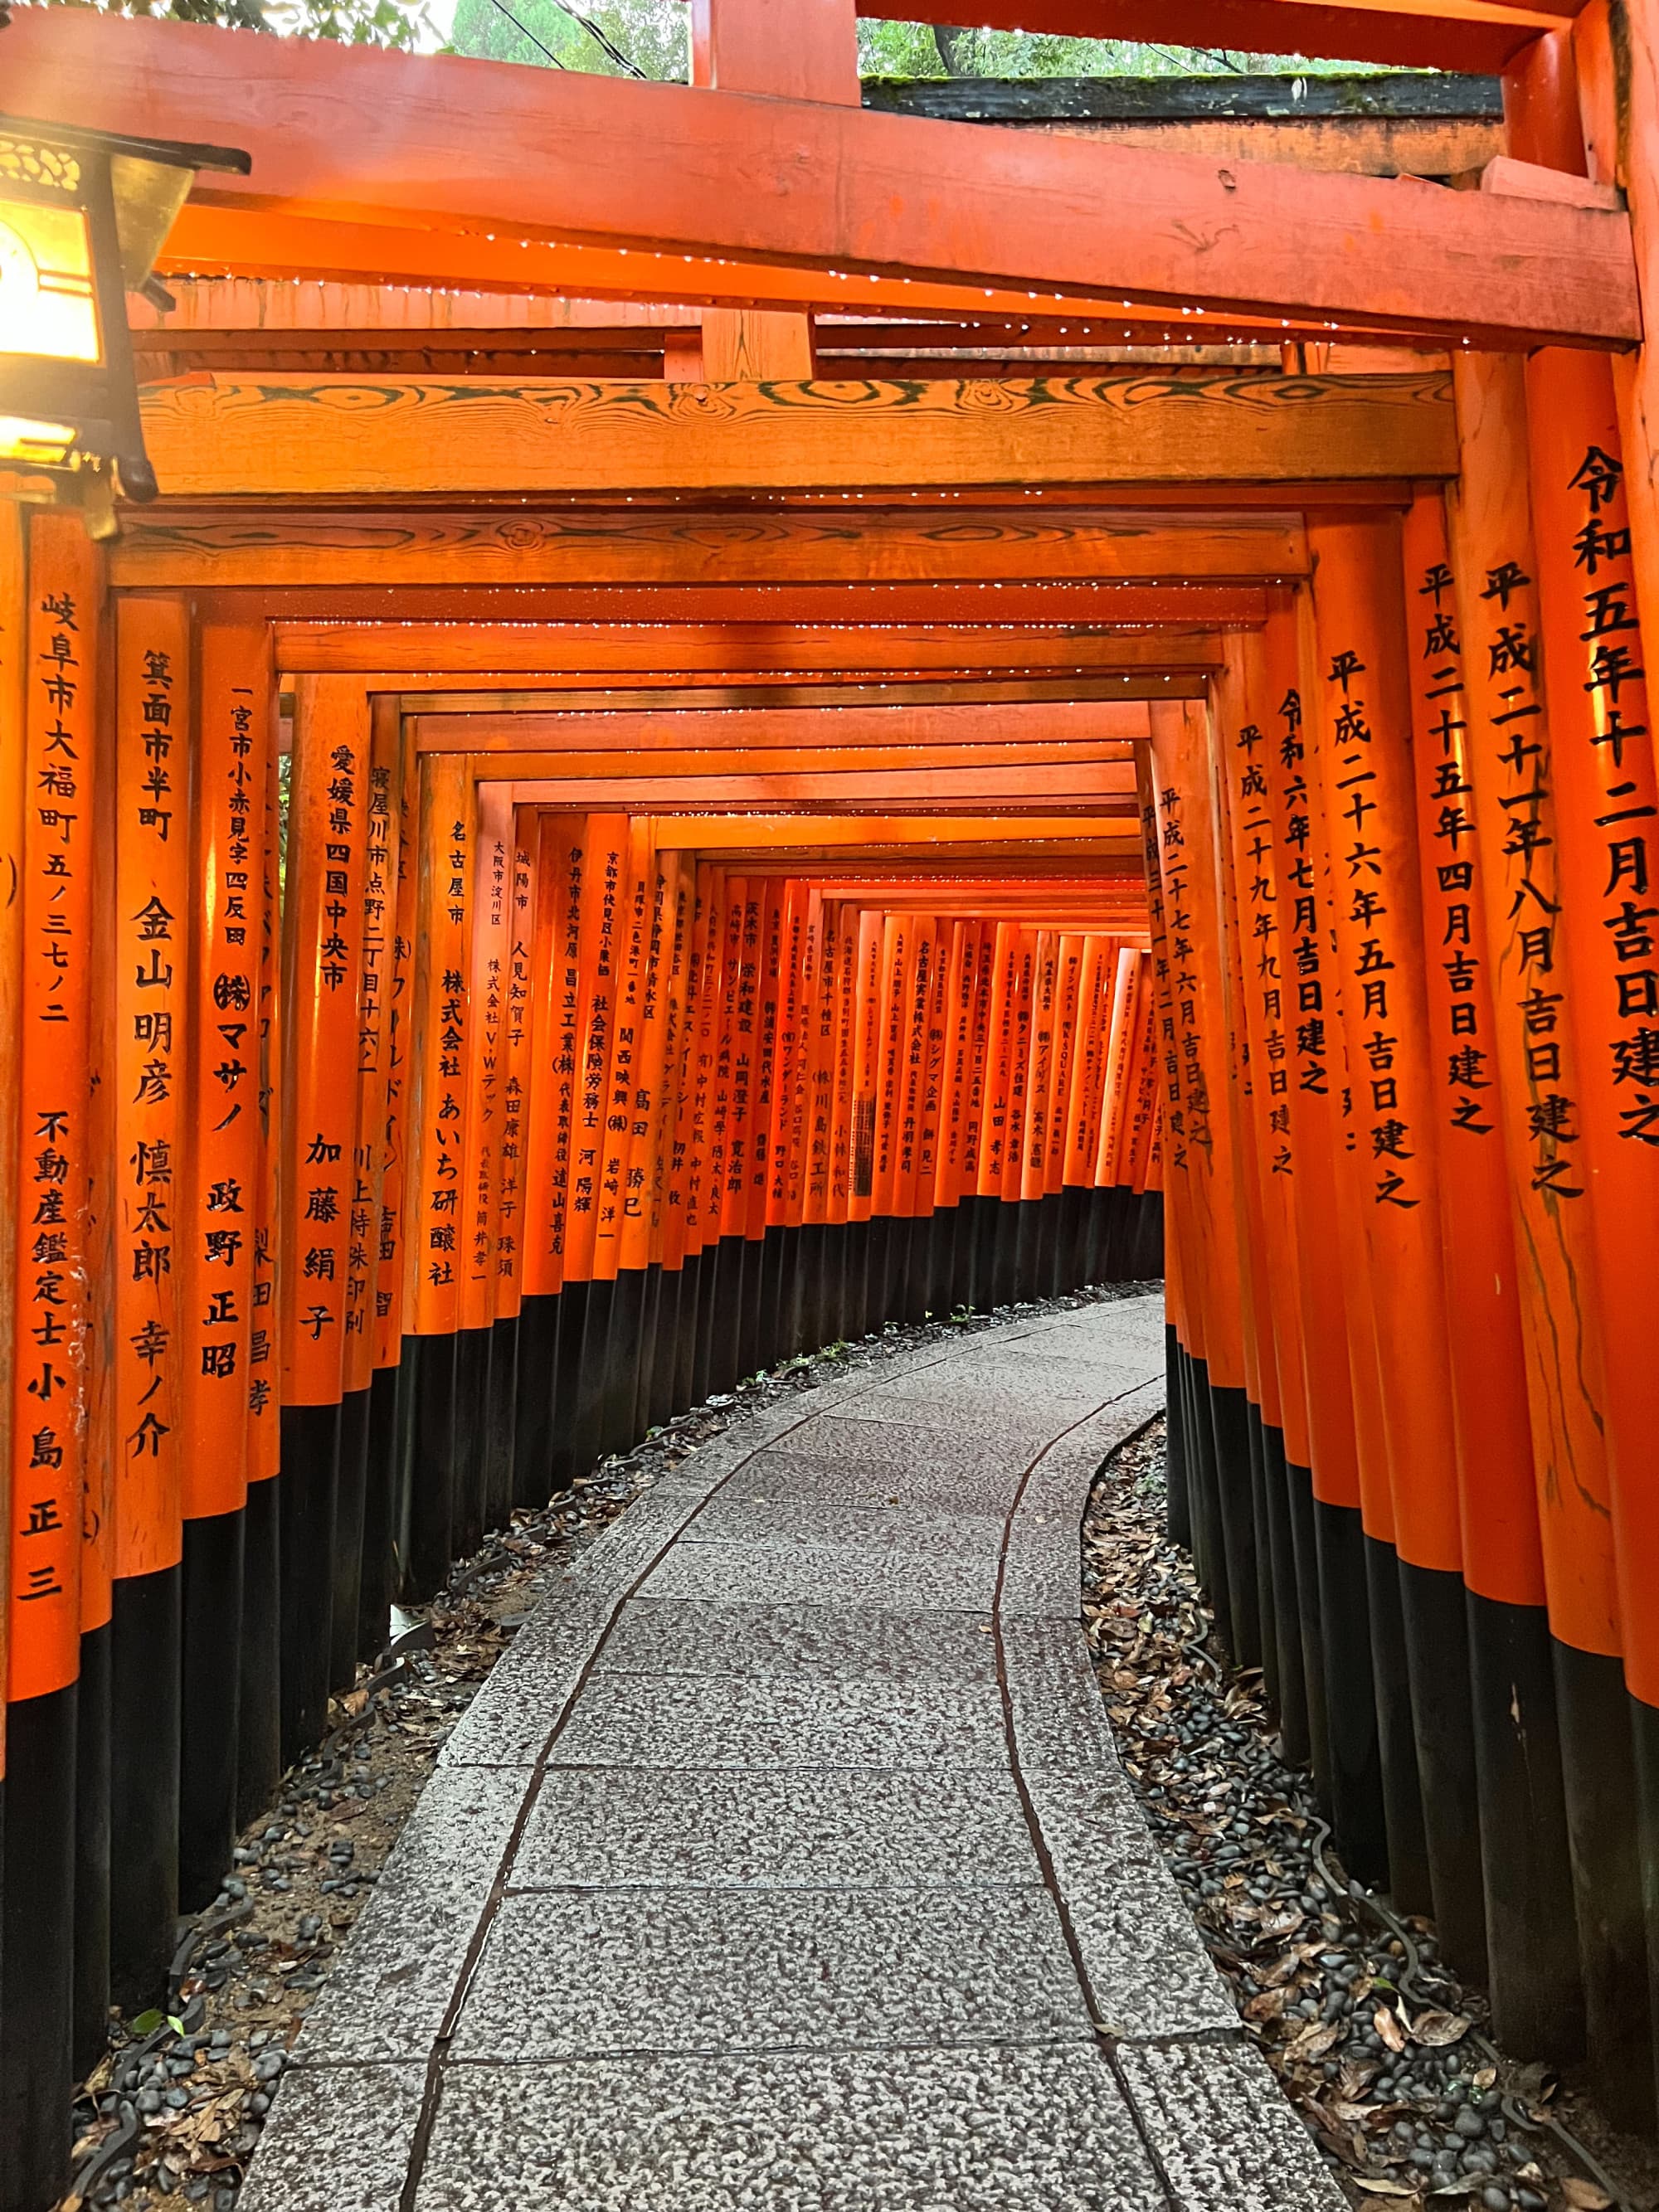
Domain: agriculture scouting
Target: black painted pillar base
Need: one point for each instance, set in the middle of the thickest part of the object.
(692, 1278)
(1266, 1606)
(1396, 1733)
(1598, 1767)
(1231, 1420)
(92, 1852)
(258, 1707)
(1292, 1696)
(350, 1492)
(1437, 1642)
(590, 1379)
(534, 1389)
(619, 1383)
(1534, 1984)
(209, 1725)
(1178, 1507)
(36, 1951)
(428, 1366)
(566, 1383)
(1356, 1764)
(374, 1583)
(1304, 1545)
(471, 1384)
(500, 1417)
(310, 1454)
(145, 1679)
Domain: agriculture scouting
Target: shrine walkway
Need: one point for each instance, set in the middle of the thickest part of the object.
(785, 1861)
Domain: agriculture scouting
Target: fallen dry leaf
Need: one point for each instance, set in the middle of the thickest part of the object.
(1438, 2029)
(1586, 2196)
(1386, 2188)
(1389, 2028)
(1313, 2042)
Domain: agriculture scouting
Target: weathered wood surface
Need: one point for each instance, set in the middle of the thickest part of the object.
(1092, 722)
(475, 653)
(1279, 99)
(1094, 790)
(755, 607)
(867, 545)
(1057, 837)
(1453, 34)
(460, 145)
(278, 436)
(657, 758)
(578, 695)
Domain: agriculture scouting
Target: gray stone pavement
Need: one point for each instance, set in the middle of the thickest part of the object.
(786, 1862)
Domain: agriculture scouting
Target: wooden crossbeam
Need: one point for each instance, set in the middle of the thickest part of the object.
(282, 436)
(677, 704)
(849, 544)
(1057, 836)
(759, 607)
(482, 655)
(1108, 790)
(846, 765)
(1091, 722)
(439, 143)
(1479, 36)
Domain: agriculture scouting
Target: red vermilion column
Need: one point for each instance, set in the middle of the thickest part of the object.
(1325, 1493)
(1370, 817)
(52, 1228)
(217, 1190)
(1533, 1966)
(1516, 845)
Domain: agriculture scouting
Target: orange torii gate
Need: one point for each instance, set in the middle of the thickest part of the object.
(614, 882)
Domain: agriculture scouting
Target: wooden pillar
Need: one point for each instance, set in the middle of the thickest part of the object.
(791, 50)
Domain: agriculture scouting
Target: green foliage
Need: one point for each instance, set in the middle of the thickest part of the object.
(655, 35)
(355, 22)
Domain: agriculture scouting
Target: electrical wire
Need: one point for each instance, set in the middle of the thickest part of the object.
(524, 32)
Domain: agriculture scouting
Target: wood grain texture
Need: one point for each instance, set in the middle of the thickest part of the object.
(1089, 722)
(756, 653)
(677, 704)
(597, 546)
(462, 144)
(277, 436)
(755, 608)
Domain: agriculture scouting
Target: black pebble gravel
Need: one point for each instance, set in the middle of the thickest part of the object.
(1392, 2084)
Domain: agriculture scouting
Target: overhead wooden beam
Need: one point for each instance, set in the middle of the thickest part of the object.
(578, 695)
(841, 769)
(1452, 34)
(1090, 721)
(755, 607)
(441, 142)
(282, 436)
(572, 653)
(1107, 790)
(1058, 836)
(855, 543)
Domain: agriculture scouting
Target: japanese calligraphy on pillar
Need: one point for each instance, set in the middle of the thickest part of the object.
(154, 893)
(227, 1340)
(49, 1414)
(324, 918)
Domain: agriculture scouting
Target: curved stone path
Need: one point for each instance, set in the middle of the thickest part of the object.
(785, 1861)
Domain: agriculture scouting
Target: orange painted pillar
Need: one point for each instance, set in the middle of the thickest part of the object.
(434, 1215)
(388, 983)
(220, 1142)
(1540, 1050)
(1533, 1966)
(53, 1229)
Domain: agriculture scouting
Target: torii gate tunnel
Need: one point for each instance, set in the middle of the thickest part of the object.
(742, 717)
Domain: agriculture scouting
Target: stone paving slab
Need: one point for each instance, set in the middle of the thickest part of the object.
(860, 1828)
(391, 1984)
(740, 1721)
(785, 1861)
(992, 2130)
(598, 1972)
(1223, 2131)
(811, 1643)
(827, 1573)
(902, 1481)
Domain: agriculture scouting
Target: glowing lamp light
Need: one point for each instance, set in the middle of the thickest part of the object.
(82, 216)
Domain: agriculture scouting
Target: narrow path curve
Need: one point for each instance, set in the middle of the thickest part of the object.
(786, 1860)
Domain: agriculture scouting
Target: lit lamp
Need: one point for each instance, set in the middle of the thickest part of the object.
(82, 217)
